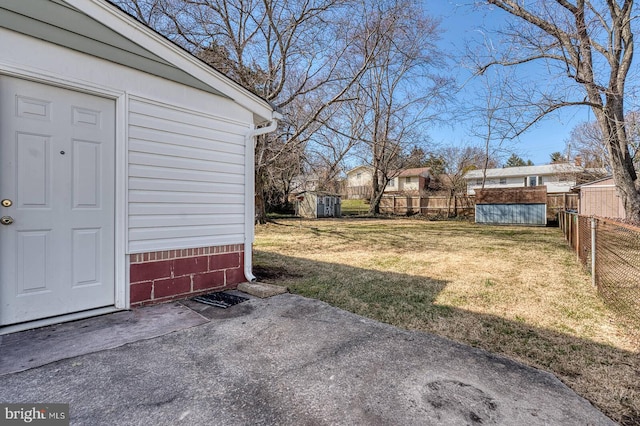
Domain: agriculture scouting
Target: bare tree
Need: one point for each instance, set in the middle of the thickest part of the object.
(289, 52)
(458, 160)
(326, 156)
(330, 146)
(493, 121)
(591, 44)
(279, 176)
(396, 95)
(587, 143)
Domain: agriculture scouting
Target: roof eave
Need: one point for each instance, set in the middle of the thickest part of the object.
(127, 26)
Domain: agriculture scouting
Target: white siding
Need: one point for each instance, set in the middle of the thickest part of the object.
(511, 182)
(550, 181)
(412, 185)
(360, 176)
(186, 178)
(184, 146)
(393, 184)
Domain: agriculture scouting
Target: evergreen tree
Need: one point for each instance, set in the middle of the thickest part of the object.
(516, 161)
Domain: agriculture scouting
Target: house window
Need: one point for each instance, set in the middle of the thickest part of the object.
(478, 181)
(533, 181)
(408, 180)
(392, 182)
(503, 181)
(358, 175)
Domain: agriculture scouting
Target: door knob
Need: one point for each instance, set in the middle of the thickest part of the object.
(6, 220)
(6, 203)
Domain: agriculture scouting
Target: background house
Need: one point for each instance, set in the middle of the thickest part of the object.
(126, 165)
(557, 178)
(358, 184)
(304, 182)
(409, 181)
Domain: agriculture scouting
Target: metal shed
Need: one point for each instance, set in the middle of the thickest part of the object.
(312, 204)
(512, 206)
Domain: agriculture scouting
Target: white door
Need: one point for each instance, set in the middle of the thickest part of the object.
(327, 207)
(57, 165)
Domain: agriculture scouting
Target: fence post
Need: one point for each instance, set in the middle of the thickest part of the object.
(578, 237)
(593, 250)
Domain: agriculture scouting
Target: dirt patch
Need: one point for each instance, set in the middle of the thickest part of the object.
(271, 274)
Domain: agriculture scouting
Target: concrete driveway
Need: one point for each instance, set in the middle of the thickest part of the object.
(288, 360)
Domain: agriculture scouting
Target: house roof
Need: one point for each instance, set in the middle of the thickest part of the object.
(101, 29)
(596, 182)
(418, 171)
(319, 193)
(368, 168)
(547, 169)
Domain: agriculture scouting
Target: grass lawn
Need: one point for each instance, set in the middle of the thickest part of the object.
(514, 291)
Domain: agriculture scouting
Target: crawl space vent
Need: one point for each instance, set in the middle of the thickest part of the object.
(220, 299)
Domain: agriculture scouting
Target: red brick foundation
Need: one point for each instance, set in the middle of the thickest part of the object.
(165, 275)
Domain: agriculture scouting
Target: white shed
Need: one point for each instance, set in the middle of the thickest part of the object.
(313, 204)
(126, 165)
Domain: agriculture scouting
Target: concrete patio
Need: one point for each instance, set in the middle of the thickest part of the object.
(287, 360)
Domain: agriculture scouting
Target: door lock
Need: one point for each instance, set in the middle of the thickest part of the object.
(6, 220)
(6, 203)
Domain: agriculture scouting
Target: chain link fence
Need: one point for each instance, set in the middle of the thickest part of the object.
(611, 252)
(584, 240)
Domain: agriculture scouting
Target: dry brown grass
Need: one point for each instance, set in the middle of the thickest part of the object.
(515, 291)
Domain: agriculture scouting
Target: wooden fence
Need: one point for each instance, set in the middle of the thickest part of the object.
(557, 203)
(461, 205)
(444, 206)
(358, 192)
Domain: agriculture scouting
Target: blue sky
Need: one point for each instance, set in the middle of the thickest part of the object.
(460, 21)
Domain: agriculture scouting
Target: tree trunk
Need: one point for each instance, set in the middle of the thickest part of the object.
(376, 194)
(374, 207)
(611, 120)
(626, 186)
(580, 43)
(260, 198)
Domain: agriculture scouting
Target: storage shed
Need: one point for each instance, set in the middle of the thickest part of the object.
(512, 206)
(600, 198)
(126, 165)
(312, 204)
